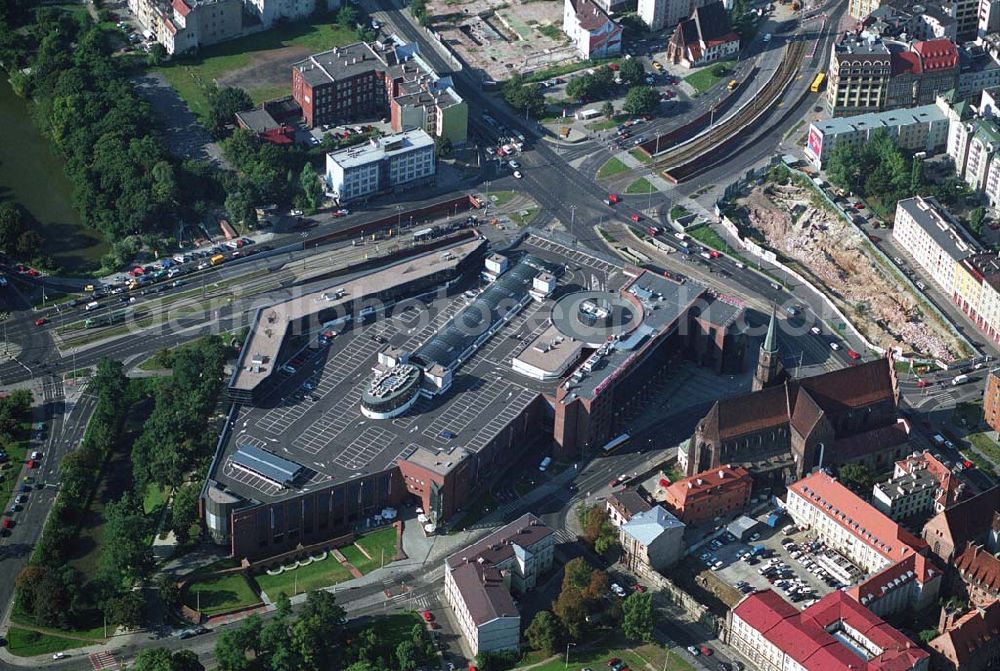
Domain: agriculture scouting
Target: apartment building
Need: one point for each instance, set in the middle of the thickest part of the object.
(652, 539)
(834, 634)
(923, 128)
(929, 234)
(591, 29)
(185, 25)
(479, 582)
(709, 495)
(624, 505)
(848, 524)
(909, 585)
(389, 163)
(388, 78)
(906, 495)
(973, 146)
(977, 293)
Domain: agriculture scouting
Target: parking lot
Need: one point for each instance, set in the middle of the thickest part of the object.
(785, 563)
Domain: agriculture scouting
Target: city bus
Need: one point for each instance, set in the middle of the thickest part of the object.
(817, 84)
(615, 443)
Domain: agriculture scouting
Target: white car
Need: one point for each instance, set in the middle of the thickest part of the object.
(814, 330)
(514, 164)
(834, 346)
(58, 655)
(296, 213)
(693, 650)
(35, 456)
(287, 368)
(517, 174)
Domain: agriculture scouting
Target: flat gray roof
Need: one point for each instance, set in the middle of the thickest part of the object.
(942, 228)
(889, 118)
(339, 63)
(383, 147)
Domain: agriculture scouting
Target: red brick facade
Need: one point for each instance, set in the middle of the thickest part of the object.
(710, 494)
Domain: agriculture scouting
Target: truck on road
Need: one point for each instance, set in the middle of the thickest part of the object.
(959, 379)
(217, 259)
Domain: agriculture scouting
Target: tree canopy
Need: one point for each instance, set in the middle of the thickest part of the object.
(641, 100)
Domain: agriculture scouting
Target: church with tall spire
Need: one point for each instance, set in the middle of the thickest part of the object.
(770, 370)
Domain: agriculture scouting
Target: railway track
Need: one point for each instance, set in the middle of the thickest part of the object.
(732, 125)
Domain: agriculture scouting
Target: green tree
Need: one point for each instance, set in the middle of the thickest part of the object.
(157, 55)
(29, 244)
(916, 176)
(524, 98)
(311, 185)
(577, 573)
(154, 659)
(976, 219)
(407, 655)
(127, 609)
(231, 651)
(597, 588)
(127, 555)
(184, 511)
(641, 100)
(857, 476)
(637, 623)
(443, 146)
(605, 543)
(608, 109)
(347, 16)
(418, 9)
(12, 225)
(571, 610)
(631, 72)
(168, 591)
(223, 104)
(544, 633)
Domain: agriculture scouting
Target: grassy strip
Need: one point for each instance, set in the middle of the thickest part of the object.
(640, 155)
(640, 186)
(192, 77)
(501, 198)
(602, 125)
(303, 579)
(705, 78)
(612, 167)
(706, 235)
(221, 594)
(28, 642)
(676, 212)
(525, 217)
(564, 69)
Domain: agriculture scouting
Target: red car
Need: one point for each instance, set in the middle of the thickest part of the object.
(635, 218)
(9, 523)
(705, 650)
(32, 463)
(640, 588)
(613, 661)
(33, 273)
(854, 355)
(714, 254)
(923, 383)
(614, 198)
(427, 615)
(41, 321)
(968, 464)
(858, 205)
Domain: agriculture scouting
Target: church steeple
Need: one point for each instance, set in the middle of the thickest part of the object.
(769, 366)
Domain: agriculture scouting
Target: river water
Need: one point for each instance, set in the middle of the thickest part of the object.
(31, 174)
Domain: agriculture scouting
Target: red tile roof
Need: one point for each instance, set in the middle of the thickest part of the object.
(862, 520)
(589, 15)
(808, 637)
(733, 417)
(916, 568)
(698, 485)
(905, 62)
(181, 8)
(852, 387)
(964, 521)
(865, 443)
(969, 634)
(939, 54)
(979, 568)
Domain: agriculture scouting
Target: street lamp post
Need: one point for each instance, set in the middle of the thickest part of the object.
(572, 216)
(568, 645)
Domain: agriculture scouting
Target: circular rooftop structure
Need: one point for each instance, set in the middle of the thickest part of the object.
(391, 392)
(591, 317)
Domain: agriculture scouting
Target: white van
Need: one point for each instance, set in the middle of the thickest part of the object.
(93, 305)
(545, 464)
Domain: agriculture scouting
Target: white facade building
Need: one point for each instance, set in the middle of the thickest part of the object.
(928, 233)
(388, 163)
(478, 582)
(592, 30)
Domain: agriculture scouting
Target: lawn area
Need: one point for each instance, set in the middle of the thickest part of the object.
(597, 657)
(525, 217)
(27, 642)
(154, 499)
(641, 185)
(17, 453)
(705, 234)
(390, 627)
(303, 579)
(501, 198)
(986, 446)
(676, 212)
(377, 542)
(221, 594)
(604, 124)
(611, 168)
(640, 155)
(191, 75)
(969, 415)
(706, 77)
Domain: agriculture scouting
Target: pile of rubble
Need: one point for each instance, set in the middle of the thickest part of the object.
(836, 258)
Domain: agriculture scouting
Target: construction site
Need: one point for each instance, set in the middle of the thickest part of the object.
(827, 250)
(499, 38)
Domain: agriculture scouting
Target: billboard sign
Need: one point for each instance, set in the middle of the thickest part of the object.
(815, 142)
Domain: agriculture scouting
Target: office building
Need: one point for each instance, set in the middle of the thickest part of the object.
(390, 79)
(926, 231)
(910, 585)
(389, 163)
(479, 582)
(923, 128)
(848, 524)
(991, 399)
